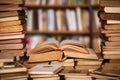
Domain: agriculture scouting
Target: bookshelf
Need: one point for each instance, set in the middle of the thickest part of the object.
(84, 10)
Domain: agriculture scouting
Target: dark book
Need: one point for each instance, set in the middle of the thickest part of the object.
(109, 16)
(112, 3)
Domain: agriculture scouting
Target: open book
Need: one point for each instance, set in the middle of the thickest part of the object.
(70, 48)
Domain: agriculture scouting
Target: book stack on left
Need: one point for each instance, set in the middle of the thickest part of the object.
(12, 27)
(12, 39)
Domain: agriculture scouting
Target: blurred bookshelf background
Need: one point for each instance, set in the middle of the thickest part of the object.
(63, 19)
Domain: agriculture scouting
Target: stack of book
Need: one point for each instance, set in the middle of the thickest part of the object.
(45, 71)
(10, 69)
(12, 27)
(69, 53)
(110, 19)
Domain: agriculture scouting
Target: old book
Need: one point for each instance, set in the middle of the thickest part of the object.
(112, 9)
(111, 56)
(12, 46)
(11, 13)
(46, 56)
(76, 54)
(113, 34)
(13, 18)
(87, 67)
(47, 78)
(7, 36)
(111, 52)
(109, 16)
(111, 43)
(43, 76)
(78, 78)
(113, 22)
(6, 58)
(111, 3)
(11, 2)
(110, 31)
(46, 69)
(55, 45)
(74, 72)
(18, 68)
(88, 62)
(11, 41)
(12, 23)
(114, 61)
(10, 7)
(16, 28)
(112, 68)
(112, 27)
(114, 38)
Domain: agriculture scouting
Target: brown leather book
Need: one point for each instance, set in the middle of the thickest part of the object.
(12, 23)
(109, 16)
(11, 1)
(11, 13)
(10, 7)
(8, 29)
(112, 3)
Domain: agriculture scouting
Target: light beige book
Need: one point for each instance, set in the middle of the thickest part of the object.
(113, 68)
(6, 58)
(12, 23)
(55, 45)
(112, 34)
(114, 38)
(112, 43)
(16, 28)
(109, 27)
(111, 52)
(110, 31)
(113, 22)
(50, 78)
(12, 46)
(76, 54)
(45, 69)
(11, 41)
(43, 76)
(11, 2)
(78, 78)
(20, 68)
(111, 56)
(87, 67)
(46, 56)
(13, 18)
(88, 62)
(112, 9)
(7, 36)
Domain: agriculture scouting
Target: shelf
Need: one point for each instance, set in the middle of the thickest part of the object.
(58, 32)
(61, 6)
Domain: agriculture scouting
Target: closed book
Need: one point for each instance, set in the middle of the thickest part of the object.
(12, 23)
(9, 29)
(111, 3)
(10, 7)
(11, 13)
(11, 2)
(112, 9)
(109, 16)
(45, 69)
(112, 27)
(6, 58)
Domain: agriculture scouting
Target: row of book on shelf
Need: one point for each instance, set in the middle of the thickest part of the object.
(59, 2)
(60, 20)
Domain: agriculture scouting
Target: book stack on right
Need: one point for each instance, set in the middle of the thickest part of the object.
(110, 21)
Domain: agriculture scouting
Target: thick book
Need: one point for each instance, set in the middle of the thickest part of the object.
(45, 69)
(11, 41)
(112, 27)
(112, 9)
(13, 18)
(71, 48)
(6, 58)
(109, 16)
(8, 29)
(11, 13)
(8, 36)
(11, 7)
(11, 2)
(12, 23)
(111, 3)
(12, 46)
